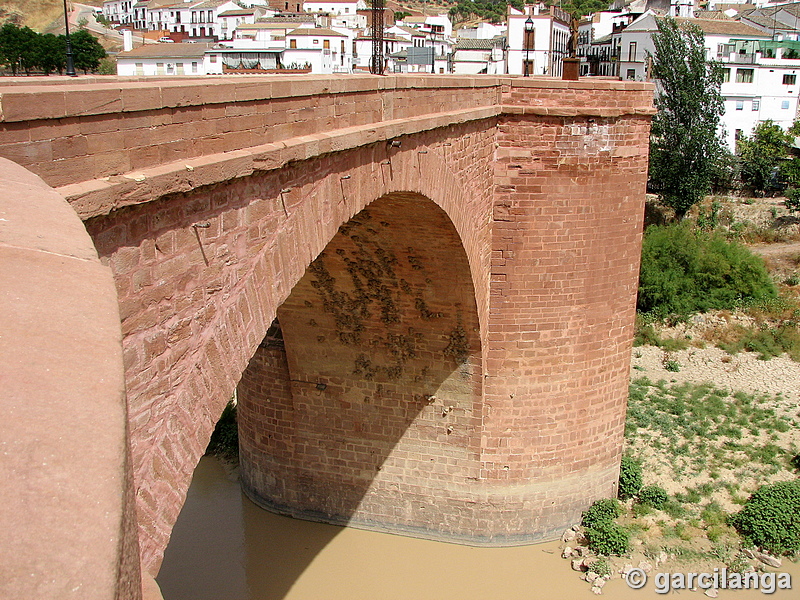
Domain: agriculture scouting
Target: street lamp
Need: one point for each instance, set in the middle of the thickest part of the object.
(528, 30)
(70, 65)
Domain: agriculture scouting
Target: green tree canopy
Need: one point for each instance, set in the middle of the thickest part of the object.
(22, 49)
(87, 51)
(761, 154)
(685, 144)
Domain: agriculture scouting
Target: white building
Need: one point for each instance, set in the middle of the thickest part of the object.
(477, 56)
(324, 50)
(759, 82)
(335, 7)
(392, 45)
(231, 19)
(169, 60)
(542, 49)
(596, 42)
(119, 11)
(482, 31)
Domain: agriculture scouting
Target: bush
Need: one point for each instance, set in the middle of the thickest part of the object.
(770, 518)
(685, 271)
(630, 478)
(602, 567)
(653, 495)
(608, 538)
(224, 441)
(602, 511)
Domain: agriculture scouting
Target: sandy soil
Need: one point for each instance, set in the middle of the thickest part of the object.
(743, 371)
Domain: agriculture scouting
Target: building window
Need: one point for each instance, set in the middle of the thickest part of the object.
(784, 105)
(744, 75)
(740, 105)
(315, 42)
(527, 67)
(213, 58)
(631, 74)
(292, 43)
(632, 52)
(326, 44)
(140, 68)
(756, 103)
(529, 39)
(789, 79)
(726, 75)
(210, 16)
(194, 67)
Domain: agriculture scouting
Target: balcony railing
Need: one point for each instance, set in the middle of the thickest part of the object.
(736, 58)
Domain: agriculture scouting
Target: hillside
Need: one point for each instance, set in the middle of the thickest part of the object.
(36, 14)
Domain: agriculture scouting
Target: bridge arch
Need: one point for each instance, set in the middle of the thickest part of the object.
(231, 254)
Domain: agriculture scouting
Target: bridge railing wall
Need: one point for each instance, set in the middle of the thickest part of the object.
(78, 132)
(68, 516)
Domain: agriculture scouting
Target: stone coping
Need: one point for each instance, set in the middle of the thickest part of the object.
(102, 196)
(25, 100)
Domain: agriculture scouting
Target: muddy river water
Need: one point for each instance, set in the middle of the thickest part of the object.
(224, 547)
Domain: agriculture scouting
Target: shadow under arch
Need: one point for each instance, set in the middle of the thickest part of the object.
(362, 406)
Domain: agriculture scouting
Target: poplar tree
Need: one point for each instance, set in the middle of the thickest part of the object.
(685, 142)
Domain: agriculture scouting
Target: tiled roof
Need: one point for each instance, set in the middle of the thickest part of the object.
(470, 44)
(720, 27)
(167, 51)
(319, 32)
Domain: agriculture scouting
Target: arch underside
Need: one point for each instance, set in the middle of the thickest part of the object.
(363, 404)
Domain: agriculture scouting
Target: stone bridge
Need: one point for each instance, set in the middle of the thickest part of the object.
(423, 287)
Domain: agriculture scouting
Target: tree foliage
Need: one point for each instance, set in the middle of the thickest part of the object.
(685, 271)
(24, 50)
(493, 10)
(87, 51)
(761, 155)
(685, 144)
(790, 171)
(580, 8)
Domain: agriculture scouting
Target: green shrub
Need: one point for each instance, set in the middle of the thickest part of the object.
(770, 518)
(685, 271)
(224, 441)
(602, 567)
(602, 511)
(630, 478)
(653, 495)
(607, 538)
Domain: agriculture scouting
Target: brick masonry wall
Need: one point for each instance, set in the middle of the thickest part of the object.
(546, 200)
(379, 385)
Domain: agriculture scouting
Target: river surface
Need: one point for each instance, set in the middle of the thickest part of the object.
(224, 547)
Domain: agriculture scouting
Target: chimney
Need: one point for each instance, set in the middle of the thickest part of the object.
(127, 40)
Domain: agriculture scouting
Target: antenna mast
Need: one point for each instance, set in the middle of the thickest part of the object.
(376, 67)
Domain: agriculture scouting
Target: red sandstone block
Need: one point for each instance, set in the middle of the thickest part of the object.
(100, 100)
(30, 105)
(28, 153)
(69, 147)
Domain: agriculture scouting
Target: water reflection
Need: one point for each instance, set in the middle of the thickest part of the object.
(224, 547)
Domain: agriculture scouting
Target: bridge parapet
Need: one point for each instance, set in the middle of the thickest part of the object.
(107, 145)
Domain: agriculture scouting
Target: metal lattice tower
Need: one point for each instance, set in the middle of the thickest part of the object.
(376, 66)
